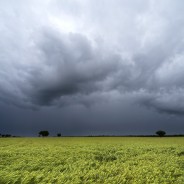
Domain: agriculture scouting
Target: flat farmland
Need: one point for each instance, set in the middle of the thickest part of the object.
(85, 160)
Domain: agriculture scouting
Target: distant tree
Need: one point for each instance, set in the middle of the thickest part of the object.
(160, 133)
(44, 133)
(59, 134)
(5, 135)
(8, 135)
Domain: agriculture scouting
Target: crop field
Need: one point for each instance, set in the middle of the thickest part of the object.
(103, 160)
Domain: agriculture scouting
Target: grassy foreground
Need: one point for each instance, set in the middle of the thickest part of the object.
(92, 160)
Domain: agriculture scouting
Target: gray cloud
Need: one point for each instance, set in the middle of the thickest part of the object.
(58, 54)
(71, 66)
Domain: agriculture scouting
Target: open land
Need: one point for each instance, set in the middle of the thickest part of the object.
(78, 160)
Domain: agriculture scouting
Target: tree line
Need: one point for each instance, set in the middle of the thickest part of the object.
(45, 133)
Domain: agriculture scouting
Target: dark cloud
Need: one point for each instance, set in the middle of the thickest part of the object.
(87, 54)
(71, 66)
(169, 102)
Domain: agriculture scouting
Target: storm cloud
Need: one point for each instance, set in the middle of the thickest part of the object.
(58, 54)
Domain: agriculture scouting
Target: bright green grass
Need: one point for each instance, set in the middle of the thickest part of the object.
(92, 160)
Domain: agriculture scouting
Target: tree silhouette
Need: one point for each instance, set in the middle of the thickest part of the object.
(44, 133)
(160, 133)
(59, 134)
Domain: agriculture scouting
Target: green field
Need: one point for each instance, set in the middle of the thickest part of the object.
(108, 160)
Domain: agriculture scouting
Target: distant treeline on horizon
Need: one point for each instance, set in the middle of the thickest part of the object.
(171, 135)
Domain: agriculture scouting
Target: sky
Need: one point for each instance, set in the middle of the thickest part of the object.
(91, 67)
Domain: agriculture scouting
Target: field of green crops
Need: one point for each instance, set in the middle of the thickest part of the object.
(92, 160)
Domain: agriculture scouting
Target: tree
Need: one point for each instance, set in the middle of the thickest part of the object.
(59, 134)
(160, 133)
(44, 133)
(5, 135)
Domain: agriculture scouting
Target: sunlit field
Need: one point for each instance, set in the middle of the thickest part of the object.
(85, 160)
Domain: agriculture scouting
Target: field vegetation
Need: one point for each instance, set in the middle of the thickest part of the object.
(104, 160)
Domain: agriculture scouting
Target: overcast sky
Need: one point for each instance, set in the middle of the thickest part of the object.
(88, 67)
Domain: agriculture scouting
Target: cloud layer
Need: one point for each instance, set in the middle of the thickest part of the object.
(57, 53)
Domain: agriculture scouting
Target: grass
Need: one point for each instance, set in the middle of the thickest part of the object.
(92, 160)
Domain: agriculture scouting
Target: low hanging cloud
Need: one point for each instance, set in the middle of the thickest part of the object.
(54, 53)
